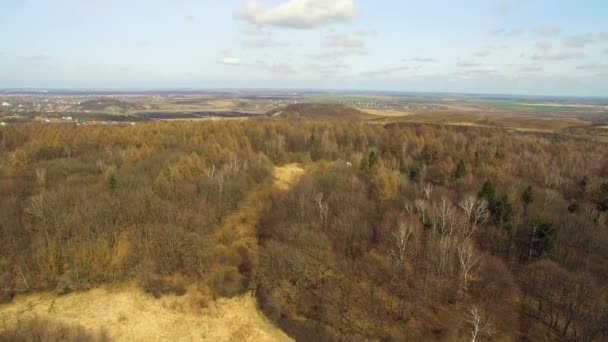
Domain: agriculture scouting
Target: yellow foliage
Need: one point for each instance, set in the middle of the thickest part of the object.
(121, 251)
(386, 183)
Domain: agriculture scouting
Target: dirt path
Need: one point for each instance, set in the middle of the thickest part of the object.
(127, 314)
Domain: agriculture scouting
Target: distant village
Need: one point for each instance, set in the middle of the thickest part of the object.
(43, 109)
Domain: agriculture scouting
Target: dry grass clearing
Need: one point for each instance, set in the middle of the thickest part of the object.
(379, 112)
(287, 175)
(127, 314)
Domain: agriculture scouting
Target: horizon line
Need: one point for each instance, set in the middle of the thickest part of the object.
(109, 90)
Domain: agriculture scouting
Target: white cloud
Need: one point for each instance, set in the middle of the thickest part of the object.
(259, 39)
(530, 68)
(543, 46)
(579, 41)
(593, 66)
(343, 41)
(497, 47)
(274, 68)
(340, 45)
(465, 63)
(298, 14)
(507, 33)
(558, 56)
(387, 71)
(549, 31)
(504, 7)
(371, 33)
(420, 60)
(40, 58)
(258, 66)
(476, 72)
(226, 60)
(329, 69)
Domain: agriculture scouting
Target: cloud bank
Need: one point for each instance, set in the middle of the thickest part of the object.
(297, 14)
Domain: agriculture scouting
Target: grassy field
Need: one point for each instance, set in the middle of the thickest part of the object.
(515, 105)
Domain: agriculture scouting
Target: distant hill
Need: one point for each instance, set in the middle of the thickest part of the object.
(111, 106)
(319, 111)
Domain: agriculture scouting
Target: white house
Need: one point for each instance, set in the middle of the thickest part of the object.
(5, 104)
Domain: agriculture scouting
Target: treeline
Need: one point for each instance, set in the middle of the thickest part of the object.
(87, 206)
(342, 260)
(399, 232)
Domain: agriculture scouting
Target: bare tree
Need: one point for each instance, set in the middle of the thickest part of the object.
(480, 325)
(468, 205)
(323, 207)
(220, 187)
(427, 189)
(233, 166)
(400, 236)
(422, 209)
(476, 213)
(68, 151)
(101, 165)
(469, 263)
(446, 226)
(41, 177)
(481, 212)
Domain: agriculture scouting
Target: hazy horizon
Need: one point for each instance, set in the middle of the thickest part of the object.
(516, 47)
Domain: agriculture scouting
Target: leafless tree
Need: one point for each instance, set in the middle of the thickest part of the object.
(36, 206)
(476, 213)
(422, 209)
(68, 151)
(427, 189)
(480, 325)
(233, 166)
(393, 164)
(476, 210)
(469, 263)
(210, 171)
(400, 237)
(446, 226)
(41, 177)
(101, 165)
(323, 207)
(408, 208)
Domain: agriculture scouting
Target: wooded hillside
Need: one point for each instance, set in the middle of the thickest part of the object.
(398, 232)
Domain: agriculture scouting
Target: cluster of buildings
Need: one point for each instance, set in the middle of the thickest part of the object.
(28, 104)
(387, 104)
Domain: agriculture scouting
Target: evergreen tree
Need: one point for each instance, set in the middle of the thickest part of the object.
(372, 159)
(527, 197)
(461, 170)
(488, 191)
(602, 203)
(502, 211)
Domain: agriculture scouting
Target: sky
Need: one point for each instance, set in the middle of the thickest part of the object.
(534, 47)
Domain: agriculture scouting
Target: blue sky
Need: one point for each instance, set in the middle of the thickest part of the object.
(548, 47)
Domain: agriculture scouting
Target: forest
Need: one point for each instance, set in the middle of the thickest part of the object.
(397, 232)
